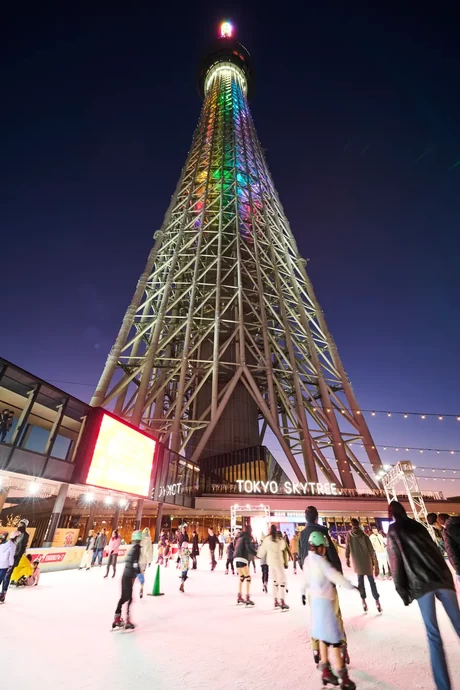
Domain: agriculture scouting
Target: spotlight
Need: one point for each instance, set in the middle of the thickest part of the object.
(123, 503)
(108, 500)
(33, 488)
(89, 497)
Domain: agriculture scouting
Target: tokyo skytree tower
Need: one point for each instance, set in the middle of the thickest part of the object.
(224, 338)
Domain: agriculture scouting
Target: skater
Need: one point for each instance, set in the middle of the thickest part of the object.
(130, 573)
(113, 549)
(166, 552)
(22, 571)
(99, 547)
(311, 516)
(451, 540)
(7, 549)
(145, 559)
(365, 563)
(273, 548)
(265, 573)
(294, 546)
(195, 548)
(221, 539)
(85, 562)
(420, 573)
(230, 557)
(380, 549)
(212, 541)
(321, 579)
(160, 557)
(184, 564)
(181, 537)
(20, 538)
(34, 579)
(243, 551)
(435, 522)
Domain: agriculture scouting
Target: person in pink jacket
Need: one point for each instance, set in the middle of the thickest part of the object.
(113, 548)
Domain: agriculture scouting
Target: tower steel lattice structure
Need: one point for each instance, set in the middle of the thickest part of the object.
(224, 336)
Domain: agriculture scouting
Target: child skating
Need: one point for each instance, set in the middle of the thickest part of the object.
(320, 578)
(230, 557)
(130, 573)
(184, 564)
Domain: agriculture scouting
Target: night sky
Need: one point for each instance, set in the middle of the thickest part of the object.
(359, 113)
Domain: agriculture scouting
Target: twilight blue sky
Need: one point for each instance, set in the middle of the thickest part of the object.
(359, 113)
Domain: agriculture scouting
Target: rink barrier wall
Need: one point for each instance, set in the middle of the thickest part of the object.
(68, 558)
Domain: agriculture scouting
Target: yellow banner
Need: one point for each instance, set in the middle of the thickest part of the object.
(65, 537)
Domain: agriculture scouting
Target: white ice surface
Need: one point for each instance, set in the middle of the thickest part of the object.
(57, 635)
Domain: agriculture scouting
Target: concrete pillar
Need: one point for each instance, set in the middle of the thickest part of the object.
(3, 497)
(140, 508)
(56, 514)
(116, 519)
(90, 521)
(158, 522)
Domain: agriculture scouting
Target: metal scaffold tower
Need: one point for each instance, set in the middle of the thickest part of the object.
(224, 337)
(403, 473)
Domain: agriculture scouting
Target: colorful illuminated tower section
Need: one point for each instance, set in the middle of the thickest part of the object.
(224, 341)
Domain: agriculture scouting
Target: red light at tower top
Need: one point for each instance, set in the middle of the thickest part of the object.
(226, 30)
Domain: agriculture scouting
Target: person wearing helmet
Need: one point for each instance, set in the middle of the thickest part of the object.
(21, 539)
(320, 580)
(184, 563)
(130, 573)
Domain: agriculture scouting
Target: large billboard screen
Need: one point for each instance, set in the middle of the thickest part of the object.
(117, 456)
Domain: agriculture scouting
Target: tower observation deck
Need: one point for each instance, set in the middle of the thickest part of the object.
(224, 337)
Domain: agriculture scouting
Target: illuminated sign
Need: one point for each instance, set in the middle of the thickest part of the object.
(311, 488)
(122, 458)
(170, 489)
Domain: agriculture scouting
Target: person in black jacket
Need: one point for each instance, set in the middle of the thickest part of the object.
(311, 516)
(420, 573)
(195, 548)
(213, 542)
(451, 539)
(130, 573)
(244, 551)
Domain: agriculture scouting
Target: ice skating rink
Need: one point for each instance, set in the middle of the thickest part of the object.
(57, 635)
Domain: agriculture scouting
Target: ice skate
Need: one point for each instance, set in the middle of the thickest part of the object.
(327, 677)
(2, 597)
(345, 681)
(265, 588)
(379, 605)
(118, 622)
(240, 599)
(316, 656)
(181, 588)
(129, 625)
(276, 604)
(364, 605)
(226, 572)
(283, 605)
(248, 601)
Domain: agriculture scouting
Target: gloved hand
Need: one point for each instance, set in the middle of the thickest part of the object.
(304, 600)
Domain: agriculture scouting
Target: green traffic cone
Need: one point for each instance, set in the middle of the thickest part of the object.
(156, 585)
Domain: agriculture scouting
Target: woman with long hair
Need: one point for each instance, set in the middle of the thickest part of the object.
(272, 549)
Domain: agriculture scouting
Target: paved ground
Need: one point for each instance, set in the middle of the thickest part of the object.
(201, 639)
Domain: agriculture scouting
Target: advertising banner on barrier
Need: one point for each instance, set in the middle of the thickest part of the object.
(61, 558)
